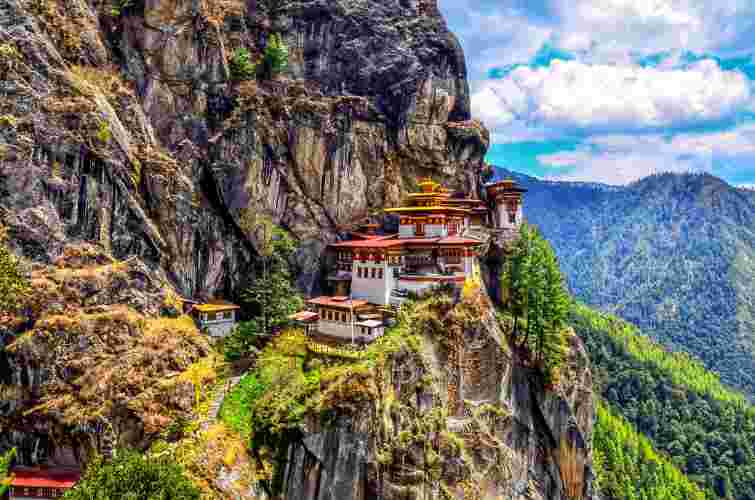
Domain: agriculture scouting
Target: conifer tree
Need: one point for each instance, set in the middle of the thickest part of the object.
(276, 55)
(535, 294)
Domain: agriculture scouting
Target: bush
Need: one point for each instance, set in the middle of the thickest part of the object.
(276, 56)
(5, 461)
(14, 287)
(241, 65)
(133, 476)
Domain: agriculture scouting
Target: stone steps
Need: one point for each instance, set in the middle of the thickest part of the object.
(212, 415)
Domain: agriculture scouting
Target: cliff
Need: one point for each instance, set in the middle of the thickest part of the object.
(441, 407)
(137, 164)
(124, 125)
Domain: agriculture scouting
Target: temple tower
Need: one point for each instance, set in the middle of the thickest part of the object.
(506, 199)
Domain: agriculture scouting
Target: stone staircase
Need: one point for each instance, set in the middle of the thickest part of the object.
(212, 414)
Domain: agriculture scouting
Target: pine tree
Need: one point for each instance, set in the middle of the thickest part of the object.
(535, 294)
(276, 56)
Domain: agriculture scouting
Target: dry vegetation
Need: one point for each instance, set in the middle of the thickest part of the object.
(108, 356)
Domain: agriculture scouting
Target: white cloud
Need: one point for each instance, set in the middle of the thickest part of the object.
(605, 28)
(571, 95)
(620, 159)
(493, 34)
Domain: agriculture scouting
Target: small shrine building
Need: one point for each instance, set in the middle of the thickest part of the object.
(39, 483)
(217, 318)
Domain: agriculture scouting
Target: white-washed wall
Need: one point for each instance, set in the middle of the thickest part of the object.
(337, 329)
(436, 231)
(374, 290)
(220, 328)
(406, 231)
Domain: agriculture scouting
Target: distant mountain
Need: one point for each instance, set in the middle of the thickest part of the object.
(672, 253)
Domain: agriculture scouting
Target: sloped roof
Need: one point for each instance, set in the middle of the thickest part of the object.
(339, 302)
(304, 316)
(215, 307)
(45, 478)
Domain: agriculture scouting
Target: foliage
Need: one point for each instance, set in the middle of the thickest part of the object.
(270, 299)
(133, 476)
(241, 65)
(672, 253)
(103, 132)
(275, 58)
(269, 404)
(9, 121)
(707, 430)
(14, 287)
(629, 467)
(5, 461)
(118, 6)
(535, 294)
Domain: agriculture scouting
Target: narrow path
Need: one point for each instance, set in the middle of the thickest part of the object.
(212, 415)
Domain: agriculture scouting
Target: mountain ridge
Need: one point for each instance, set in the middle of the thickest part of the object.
(672, 253)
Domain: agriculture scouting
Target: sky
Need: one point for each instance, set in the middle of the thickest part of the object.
(613, 90)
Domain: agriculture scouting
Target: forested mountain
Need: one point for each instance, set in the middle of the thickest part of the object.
(672, 253)
(706, 430)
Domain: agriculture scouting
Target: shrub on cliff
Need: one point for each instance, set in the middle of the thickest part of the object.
(5, 461)
(241, 65)
(276, 56)
(133, 476)
(13, 285)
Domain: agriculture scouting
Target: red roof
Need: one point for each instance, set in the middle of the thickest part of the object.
(387, 243)
(368, 236)
(372, 243)
(45, 478)
(456, 240)
(340, 302)
(304, 316)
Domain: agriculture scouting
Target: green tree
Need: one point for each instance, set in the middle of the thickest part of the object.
(241, 65)
(5, 461)
(275, 57)
(14, 287)
(133, 476)
(535, 294)
(271, 298)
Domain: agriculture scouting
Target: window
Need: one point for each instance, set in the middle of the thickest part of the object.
(512, 218)
(396, 271)
(380, 273)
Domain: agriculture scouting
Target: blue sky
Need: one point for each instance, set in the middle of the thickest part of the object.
(613, 90)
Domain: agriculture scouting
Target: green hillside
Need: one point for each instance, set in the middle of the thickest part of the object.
(627, 467)
(673, 253)
(707, 430)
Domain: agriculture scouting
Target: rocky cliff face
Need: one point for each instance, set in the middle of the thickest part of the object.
(123, 125)
(451, 412)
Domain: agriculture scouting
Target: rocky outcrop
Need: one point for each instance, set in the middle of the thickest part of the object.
(125, 124)
(92, 366)
(457, 414)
